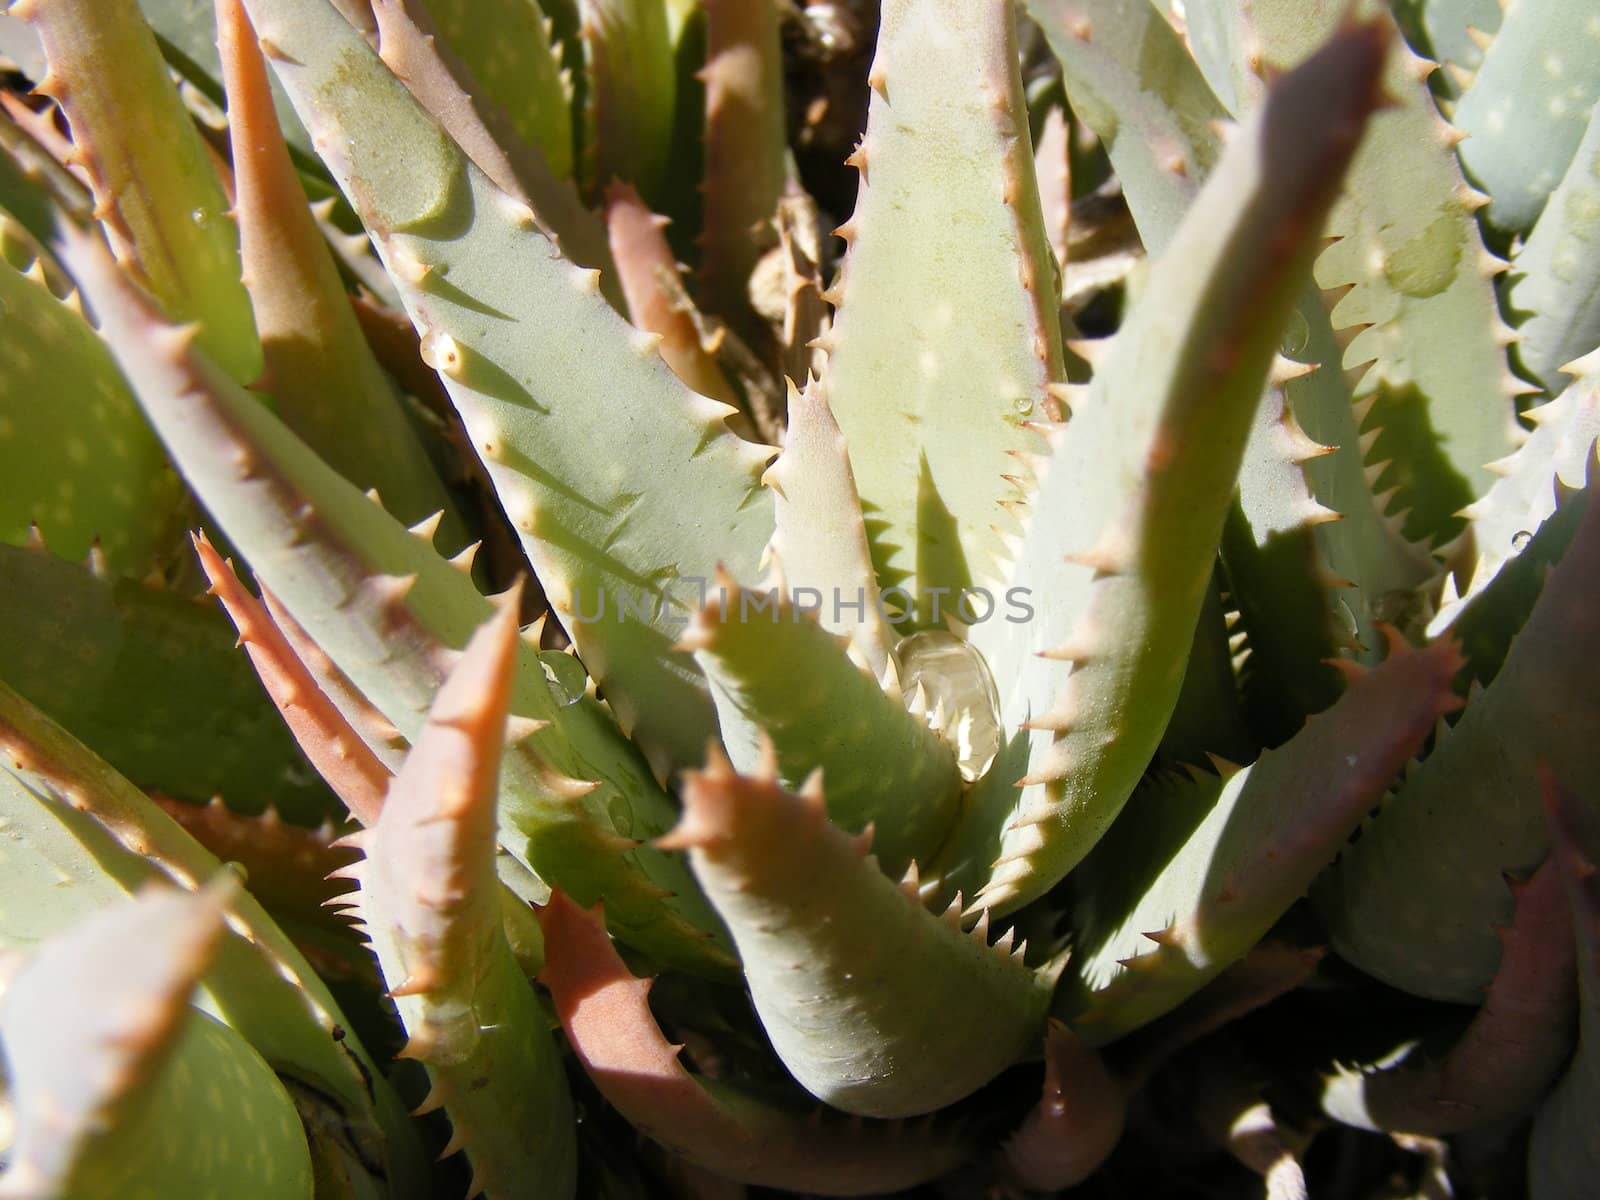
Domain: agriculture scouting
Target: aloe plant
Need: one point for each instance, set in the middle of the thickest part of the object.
(918, 800)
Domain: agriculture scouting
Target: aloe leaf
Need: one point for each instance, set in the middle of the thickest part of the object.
(545, 377)
(612, 1031)
(376, 730)
(1456, 32)
(143, 675)
(1436, 403)
(1507, 1058)
(84, 466)
(430, 901)
(1161, 129)
(121, 1088)
(649, 275)
(746, 155)
(1207, 718)
(1131, 81)
(186, 31)
(509, 48)
(820, 539)
(155, 191)
(287, 866)
(1564, 1151)
(875, 1005)
(1555, 278)
(1140, 480)
(391, 613)
(331, 745)
(36, 190)
(1270, 969)
(328, 386)
(933, 392)
(1556, 456)
(1067, 1136)
(1052, 170)
(1416, 900)
(1202, 867)
(1278, 578)
(1528, 105)
(632, 91)
(84, 839)
(448, 91)
(781, 680)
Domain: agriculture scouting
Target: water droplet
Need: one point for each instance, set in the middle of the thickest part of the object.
(1023, 405)
(200, 217)
(954, 675)
(440, 351)
(1520, 540)
(565, 676)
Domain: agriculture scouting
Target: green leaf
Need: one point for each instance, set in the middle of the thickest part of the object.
(1119, 554)
(1435, 405)
(713, 1123)
(946, 334)
(144, 676)
(82, 838)
(875, 1005)
(1555, 278)
(430, 901)
(162, 205)
(391, 613)
(1200, 867)
(80, 461)
(1416, 900)
(547, 379)
(1527, 107)
(121, 1088)
(783, 681)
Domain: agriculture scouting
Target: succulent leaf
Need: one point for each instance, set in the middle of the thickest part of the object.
(820, 540)
(84, 469)
(1119, 585)
(1077, 1121)
(141, 675)
(875, 1005)
(1507, 1058)
(933, 395)
(121, 1088)
(649, 275)
(327, 385)
(1556, 457)
(447, 89)
(631, 95)
(746, 163)
(1555, 278)
(1418, 300)
(533, 357)
(391, 613)
(608, 1021)
(430, 901)
(1222, 859)
(155, 191)
(333, 747)
(1564, 1151)
(508, 46)
(1527, 106)
(785, 685)
(83, 839)
(1433, 858)
(1123, 52)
